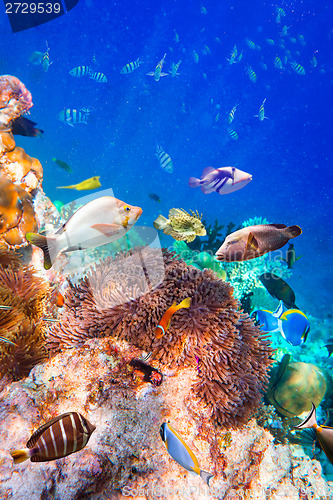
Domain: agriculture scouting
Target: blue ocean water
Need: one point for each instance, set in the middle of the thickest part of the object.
(289, 154)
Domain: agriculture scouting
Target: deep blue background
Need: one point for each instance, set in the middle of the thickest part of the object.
(289, 155)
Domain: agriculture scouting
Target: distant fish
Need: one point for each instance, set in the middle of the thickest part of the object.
(157, 74)
(164, 324)
(253, 241)
(250, 44)
(36, 57)
(154, 197)
(80, 71)
(297, 68)
(86, 185)
(270, 41)
(181, 453)
(74, 116)
(261, 114)
(150, 373)
(232, 133)
(279, 289)
(131, 66)
(324, 433)
(98, 77)
(24, 126)
(293, 324)
(223, 180)
(97, 223)
(164, 160)
(291, 256)
(174, 69)
(278, 63)
(62, 164)
(181, 225)
(234, 56)
(251, 74)
(61, 436)
(195, 56)
(231, 115)
(46, 59)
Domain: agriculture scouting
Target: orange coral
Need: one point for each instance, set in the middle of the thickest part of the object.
(17, 212)
(229, 352)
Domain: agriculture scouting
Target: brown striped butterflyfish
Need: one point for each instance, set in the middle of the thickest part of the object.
(61, 436)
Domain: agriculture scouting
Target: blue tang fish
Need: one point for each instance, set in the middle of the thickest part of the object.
(293, 324)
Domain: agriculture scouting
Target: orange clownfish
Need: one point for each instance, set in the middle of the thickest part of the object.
(165, 321)
(60, 300)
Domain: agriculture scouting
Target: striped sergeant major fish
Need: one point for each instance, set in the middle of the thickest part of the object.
(231, 115)
(233, 134)
(79, 71)
(261, 114)
(251, 74)
(131, 66)
(46, 59)
(174, 69)
(157, 74)
(181, 453)
(164, 160)
(61, 436)
(74, 116)
(278, 62)
(297, 68)
(98, 77)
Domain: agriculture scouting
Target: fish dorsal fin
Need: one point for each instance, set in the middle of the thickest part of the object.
(309, 421)
(207, 171)
(278, 226)
(36, 435)
(61, 229)
(252, 243)
(174, 212)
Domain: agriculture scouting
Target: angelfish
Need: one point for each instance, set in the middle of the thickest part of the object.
(158, 70)
(324, 433)
(97, 223)
(223, 180)
(166, 319)
(61, 436)
(181, 453)
(253, 241)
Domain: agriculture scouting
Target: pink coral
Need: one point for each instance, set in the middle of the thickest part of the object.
(15, 100)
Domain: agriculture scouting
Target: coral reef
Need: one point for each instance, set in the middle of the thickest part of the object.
(125, 456)
(116, 299)
(214, 237)
(28, 298)
(20, 174)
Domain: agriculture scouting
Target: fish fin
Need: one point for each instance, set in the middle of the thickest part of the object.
(47, 244)
(279, 310)
(66, 187)
(161, 222)
(278, 226)
(164, 74)
(252, 243)
(206, 476)
(293, 231)
(184, 303)
(151, 73)
(175, 212)
(194, 182)
(106, 229)
(206, 190)
(207, 171)
(20, 456)
(309, 421)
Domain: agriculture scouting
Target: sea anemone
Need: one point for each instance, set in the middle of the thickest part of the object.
(27, 298)
(125, 297)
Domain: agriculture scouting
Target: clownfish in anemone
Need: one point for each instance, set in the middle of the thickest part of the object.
(166, 318)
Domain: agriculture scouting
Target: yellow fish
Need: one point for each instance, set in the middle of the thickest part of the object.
(88, 184)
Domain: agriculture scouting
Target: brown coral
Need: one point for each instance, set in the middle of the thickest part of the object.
(28, 297)
(120, 298)
(20, 174)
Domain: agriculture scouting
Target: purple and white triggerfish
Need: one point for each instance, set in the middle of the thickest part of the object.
(61, 436)
(223, 180)
(97, 223)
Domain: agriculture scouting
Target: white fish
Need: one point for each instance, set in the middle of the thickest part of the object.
(97, 223)
(222, 180)
(157, 74)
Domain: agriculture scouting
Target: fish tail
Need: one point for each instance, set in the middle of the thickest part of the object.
(47, 244)
(194, 182)
(206, 476)
(20, 456)
(161, 222)
(293, 231)
(184, 303)
(67, 187)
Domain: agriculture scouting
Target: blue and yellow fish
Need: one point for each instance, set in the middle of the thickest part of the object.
(293, 324)
(181, 453)
(131, 66)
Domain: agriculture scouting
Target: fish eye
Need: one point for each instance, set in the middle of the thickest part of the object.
(127, 208)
